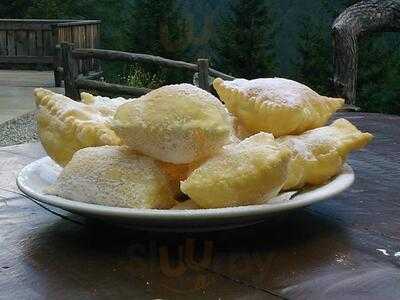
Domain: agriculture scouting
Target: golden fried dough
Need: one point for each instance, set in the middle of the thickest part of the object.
(176, 123)
(65, 125)
(319, 154)
(114, 176)
(250, 172)
(105, 105)
(275, 105)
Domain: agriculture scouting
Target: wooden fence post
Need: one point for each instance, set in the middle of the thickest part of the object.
(71, 71)
(56, 56)
(202, 65)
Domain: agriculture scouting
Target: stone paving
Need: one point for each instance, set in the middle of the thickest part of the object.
(17, 122)
(16, 89)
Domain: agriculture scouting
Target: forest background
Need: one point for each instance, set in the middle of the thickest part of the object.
(244, 38)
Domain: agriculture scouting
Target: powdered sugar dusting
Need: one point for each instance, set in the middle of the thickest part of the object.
(114, 176)
(176, 123)
(279, 90)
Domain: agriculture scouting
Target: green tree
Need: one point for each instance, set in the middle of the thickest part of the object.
(378, 85)
(59, 9)
(244, 43)
(159, 28)
(314, 64)
(14, 9)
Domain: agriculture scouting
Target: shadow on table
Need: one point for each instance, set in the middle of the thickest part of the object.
(115, 261)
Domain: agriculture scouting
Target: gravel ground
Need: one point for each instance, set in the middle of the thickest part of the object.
(19, 130)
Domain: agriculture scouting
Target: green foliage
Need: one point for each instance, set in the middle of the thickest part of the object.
(245, 40)
(314, 64)
(379, 75)
(159, 28)
(58, 9)
(14, 9)
(136, 76)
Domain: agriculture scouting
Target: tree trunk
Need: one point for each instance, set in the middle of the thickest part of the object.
(359, 19)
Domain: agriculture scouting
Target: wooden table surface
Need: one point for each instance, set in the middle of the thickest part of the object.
(344, 248)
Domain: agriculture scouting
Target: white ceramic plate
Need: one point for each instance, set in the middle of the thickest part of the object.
(38, 175)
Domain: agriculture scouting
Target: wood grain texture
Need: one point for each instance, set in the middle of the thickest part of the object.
(110, 88)
(112, 55)
(34, 41)
(71, 71)
(326, 251)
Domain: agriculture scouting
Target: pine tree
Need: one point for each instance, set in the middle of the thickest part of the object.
(314, 64)
(244, 44)
(14, 9)
(59, 9)
(159, 28)
(379, 74)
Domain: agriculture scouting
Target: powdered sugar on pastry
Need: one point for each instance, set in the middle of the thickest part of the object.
(276, 105)
(114, 176)
(319, 154)
(105, 105)
(176, 123)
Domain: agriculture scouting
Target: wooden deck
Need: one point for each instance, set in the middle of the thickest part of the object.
(16, 88)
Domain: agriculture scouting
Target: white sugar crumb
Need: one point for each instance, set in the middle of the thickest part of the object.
(114, 176)
(383, 251)
(342, 259)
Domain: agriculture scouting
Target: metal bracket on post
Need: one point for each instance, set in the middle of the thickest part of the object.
(71, 71)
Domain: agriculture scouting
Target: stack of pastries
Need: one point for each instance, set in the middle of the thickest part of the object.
(180, 147)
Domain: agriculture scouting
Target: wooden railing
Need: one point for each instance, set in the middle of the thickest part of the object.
(75, 80)
(35, 42)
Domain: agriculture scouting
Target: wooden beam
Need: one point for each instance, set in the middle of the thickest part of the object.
(71, 71)
(84, 83)
(24, 26)
(78, 23)
(112, 55)
(93, 75)
(26, 59)
(202, 65)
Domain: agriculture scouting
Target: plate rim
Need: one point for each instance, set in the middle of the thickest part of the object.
(317, 194)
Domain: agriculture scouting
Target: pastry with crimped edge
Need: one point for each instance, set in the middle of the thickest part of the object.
(176, 123)
(319, 154)
(65, 125)
(275, 105)
(250, 172)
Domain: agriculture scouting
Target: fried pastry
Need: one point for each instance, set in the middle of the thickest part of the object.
(176, 123)
(250, 172)
(65, 126)
(114, 176)
(105, 105)
(319, 154)
(275, 105)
